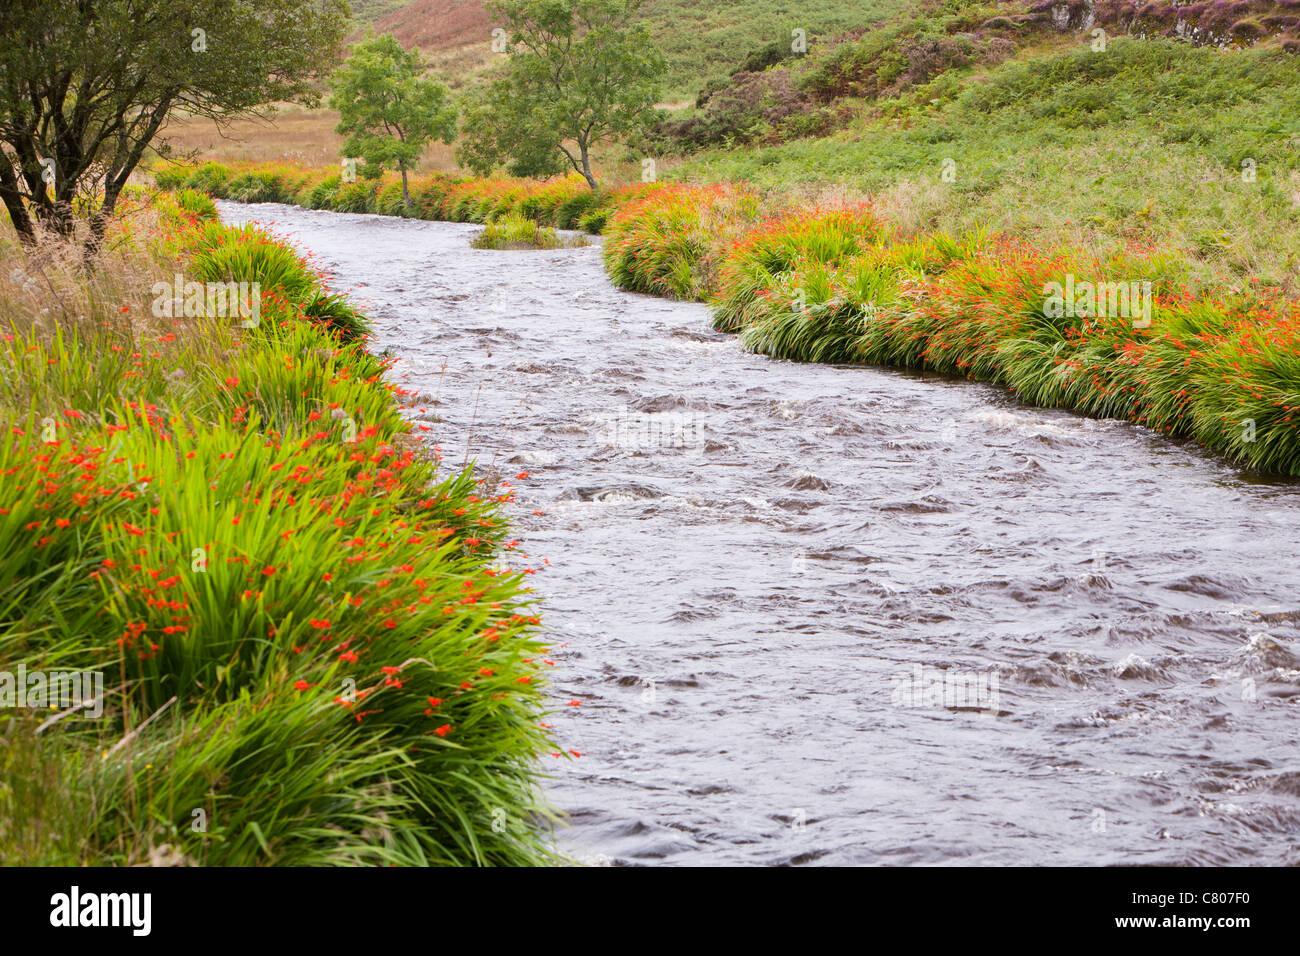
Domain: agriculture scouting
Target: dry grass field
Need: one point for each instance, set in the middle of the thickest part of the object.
(292, 134)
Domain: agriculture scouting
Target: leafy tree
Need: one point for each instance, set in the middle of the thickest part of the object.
(579, 72)
(87, 85)
(388, 113)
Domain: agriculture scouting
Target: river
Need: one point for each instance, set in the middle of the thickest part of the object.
(840, 615)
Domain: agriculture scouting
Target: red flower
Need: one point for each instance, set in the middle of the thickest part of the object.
(444, 730)
(301, 685)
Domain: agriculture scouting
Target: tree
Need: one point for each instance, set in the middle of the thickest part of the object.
(579, 72)
(388, 113)
(87, 85)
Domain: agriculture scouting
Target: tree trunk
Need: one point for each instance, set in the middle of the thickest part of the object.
(13, 200)
(99, 222)
(406, 189)
(586, 167)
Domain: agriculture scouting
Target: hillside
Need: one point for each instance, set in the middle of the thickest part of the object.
(435, 25)
(1006, 117)
(698, 37)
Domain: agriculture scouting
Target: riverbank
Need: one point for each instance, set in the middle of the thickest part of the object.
(1126, 335)
(256, 621)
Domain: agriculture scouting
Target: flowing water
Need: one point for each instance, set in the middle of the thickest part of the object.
(848, 615)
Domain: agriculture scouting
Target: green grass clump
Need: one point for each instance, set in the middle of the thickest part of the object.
(312, 649)
(513, 231)
(170, 178)
(357, 196)
(670, 240)
(210, 178)
(784, 243)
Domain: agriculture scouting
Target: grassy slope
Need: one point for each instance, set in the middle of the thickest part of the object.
(366, 12)
(700, 38)
(703, 38)
(1144, 142)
